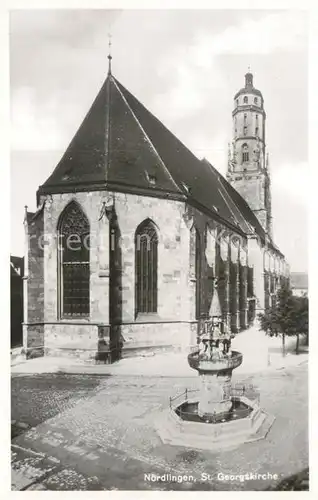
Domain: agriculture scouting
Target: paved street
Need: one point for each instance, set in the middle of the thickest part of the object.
(93, 432)
(36, 398)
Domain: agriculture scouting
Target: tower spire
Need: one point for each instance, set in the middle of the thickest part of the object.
(109, 57)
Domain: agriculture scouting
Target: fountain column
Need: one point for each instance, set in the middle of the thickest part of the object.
(215, 364)
(215, 393)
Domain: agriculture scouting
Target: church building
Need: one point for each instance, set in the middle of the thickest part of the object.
(132, 233)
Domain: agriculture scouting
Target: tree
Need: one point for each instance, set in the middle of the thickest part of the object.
(289, 316)
(301, 318)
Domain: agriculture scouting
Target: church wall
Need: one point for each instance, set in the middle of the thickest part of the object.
(70, 339)
(221, 259)
(33, 331)
(173, 260)
(174, 295)
(251, 188)
(175, 322)
(61, 333)
(256, 261)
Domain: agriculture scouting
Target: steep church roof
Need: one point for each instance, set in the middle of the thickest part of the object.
(121, 146)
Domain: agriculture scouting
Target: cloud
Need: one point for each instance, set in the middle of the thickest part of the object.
(198, 72)
(190, 86)
(31, 129)
(292, 180)
(275, 31)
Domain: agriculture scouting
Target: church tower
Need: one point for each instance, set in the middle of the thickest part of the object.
(248, 169)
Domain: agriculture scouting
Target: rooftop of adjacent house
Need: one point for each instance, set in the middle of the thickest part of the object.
(299, 280)
(123, 147)
(16, 265)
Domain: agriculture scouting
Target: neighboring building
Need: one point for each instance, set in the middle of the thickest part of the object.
(299, 283)
(16, 286)
(163, 225)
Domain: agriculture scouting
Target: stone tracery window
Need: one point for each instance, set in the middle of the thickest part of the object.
(73, 269)
(146, 262)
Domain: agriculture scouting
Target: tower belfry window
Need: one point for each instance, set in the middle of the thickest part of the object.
(255, 100)
(245, 99)
(245, 155)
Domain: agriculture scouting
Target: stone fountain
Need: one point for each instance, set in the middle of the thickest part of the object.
(218, 415)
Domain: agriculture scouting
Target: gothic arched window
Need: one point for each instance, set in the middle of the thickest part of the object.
(146, 261)
(73, 268)
(245, 99)
(245, 155)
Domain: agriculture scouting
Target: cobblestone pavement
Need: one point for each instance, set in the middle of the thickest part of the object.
(107, 440)
(296, 482)
(36, 398)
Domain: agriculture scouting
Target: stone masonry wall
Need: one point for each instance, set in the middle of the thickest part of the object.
(112, 271)
(35, 271)
(173, 259)
(33, 330)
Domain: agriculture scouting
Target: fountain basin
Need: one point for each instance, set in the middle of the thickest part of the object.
(189, 411)
(186, 428)
(216, 419)
(197, 362)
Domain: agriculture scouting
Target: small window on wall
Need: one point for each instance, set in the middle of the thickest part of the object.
(256, 131)
(245, 155)
(245, 130)
(245, 99)
(245, 118)
(255, 100)
(237, 102)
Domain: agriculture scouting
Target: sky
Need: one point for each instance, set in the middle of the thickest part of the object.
(185, 67)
